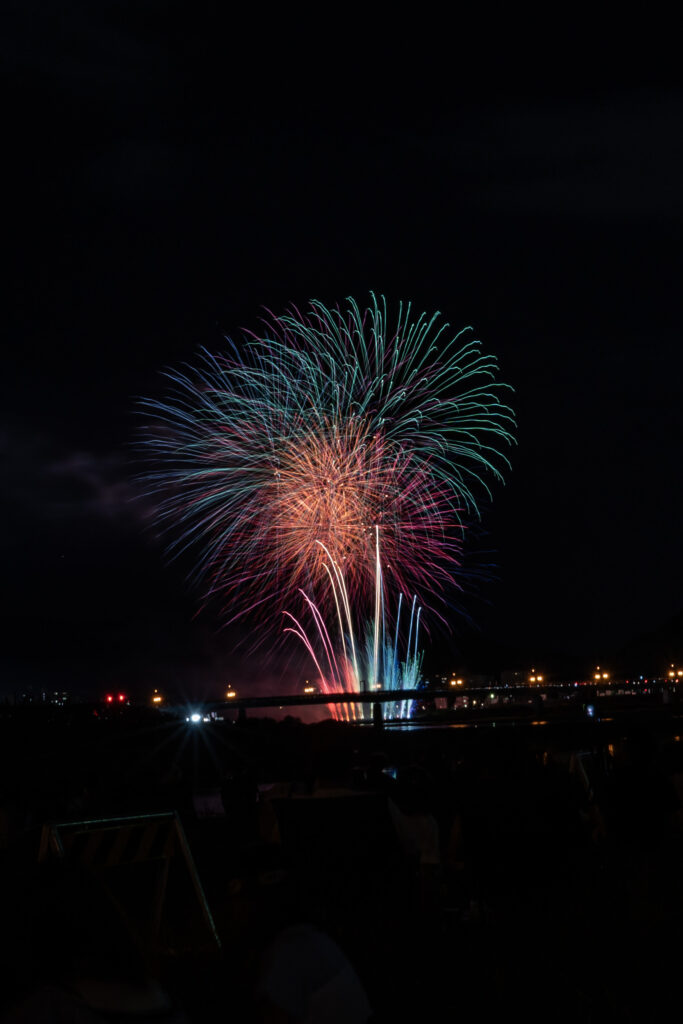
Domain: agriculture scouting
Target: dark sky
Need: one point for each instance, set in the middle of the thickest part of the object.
(170, 174)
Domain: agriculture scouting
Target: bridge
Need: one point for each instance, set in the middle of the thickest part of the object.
(494, 698)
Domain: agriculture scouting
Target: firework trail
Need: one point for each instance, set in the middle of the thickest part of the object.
(275, 462)
(342, 665)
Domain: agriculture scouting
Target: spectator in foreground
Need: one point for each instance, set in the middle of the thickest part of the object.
(305, 977)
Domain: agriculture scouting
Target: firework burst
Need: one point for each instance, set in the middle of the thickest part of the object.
(318, 429)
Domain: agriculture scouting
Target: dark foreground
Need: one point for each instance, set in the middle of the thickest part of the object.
(465, 873)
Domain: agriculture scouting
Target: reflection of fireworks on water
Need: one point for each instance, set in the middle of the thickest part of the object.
(344, 666)
(329, 424)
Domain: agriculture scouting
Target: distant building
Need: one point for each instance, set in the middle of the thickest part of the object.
(513, 677)
(57, 698)
(479, 679)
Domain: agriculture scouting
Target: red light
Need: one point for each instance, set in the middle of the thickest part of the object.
(122, 696)
(109, 698)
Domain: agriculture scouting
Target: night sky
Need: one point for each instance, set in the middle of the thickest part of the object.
(171, 174)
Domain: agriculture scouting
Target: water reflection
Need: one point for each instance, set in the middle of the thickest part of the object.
(412, 725)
